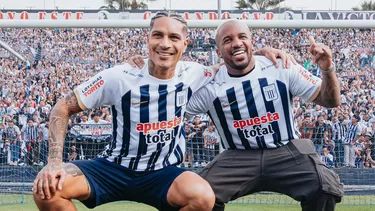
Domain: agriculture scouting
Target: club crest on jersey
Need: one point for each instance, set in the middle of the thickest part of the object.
(270, 92)
(181, 98)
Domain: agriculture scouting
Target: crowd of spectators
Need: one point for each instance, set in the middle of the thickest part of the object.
(64, 58)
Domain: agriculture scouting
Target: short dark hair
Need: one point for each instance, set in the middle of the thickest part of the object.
(169, 15)
(358, 118)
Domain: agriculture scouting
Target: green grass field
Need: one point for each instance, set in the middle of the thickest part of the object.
(274, 203)
(141, 207)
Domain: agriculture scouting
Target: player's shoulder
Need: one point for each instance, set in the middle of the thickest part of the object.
(191, 66)
(125, 70)
(266, 63)
(193, 70)
(221, 78)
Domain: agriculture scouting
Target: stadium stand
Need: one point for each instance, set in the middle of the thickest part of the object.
(63, 58)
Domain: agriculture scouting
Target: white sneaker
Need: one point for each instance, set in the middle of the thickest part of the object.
(22, 164)
(40, 164)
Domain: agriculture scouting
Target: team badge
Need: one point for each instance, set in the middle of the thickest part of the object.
(181, 98)
(270, 92)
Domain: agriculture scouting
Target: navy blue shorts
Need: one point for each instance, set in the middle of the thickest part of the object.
(112, 182)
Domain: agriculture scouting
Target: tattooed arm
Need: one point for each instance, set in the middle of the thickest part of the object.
(58, 126)
(329, 95)
(53, 174)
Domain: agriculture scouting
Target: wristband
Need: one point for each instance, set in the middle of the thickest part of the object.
(333, 68)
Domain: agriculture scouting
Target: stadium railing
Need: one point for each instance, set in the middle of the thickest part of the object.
(89, 141)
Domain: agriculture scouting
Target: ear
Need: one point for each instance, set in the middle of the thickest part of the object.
(186, 42)
(218, 53)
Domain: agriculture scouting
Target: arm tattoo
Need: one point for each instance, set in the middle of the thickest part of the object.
(72, 170)
(59, 125)
(72, 102)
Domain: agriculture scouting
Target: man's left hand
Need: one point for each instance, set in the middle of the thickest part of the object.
(321, 53)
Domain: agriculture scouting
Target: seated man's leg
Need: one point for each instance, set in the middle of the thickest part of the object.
(297, 171)
(93, 182)
(233, 174)
(189, 192)
(74, 187)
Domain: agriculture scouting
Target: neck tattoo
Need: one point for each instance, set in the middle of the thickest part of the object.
(151, 67)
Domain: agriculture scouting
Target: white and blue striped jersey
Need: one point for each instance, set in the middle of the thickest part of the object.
(255, 110)
(352, 132)
(147, 112)
(338, 131)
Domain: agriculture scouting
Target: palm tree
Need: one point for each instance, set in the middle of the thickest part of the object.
(365, 6)
(259, 4)
(124, 5)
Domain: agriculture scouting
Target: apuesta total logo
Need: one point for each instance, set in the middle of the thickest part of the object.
(253, 127)
(150, 130)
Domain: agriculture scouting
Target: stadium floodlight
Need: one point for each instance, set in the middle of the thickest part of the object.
(191, 23)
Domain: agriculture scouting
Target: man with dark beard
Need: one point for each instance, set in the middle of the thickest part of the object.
(250, 102)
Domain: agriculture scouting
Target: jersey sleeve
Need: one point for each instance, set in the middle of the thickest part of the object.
(99, 90)
(303, 84)
(202, 74)
(201, 101)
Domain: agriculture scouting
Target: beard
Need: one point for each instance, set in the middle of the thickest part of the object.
(239, 67)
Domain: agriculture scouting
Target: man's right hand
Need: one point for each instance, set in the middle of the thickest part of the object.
(49, 179)
(136, 61)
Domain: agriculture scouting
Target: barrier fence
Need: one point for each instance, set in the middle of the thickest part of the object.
(89, 141)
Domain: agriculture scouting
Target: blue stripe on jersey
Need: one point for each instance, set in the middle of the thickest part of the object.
(190, 92)
(351, 133)
(177, 114)
(284, 99)
(223, 123)
(114, 131)
(182, 131)
(162, 111)
(252, 109)
(236, 115)
(270, 108)
(179, 154)
(125, 106)
(144, 118)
